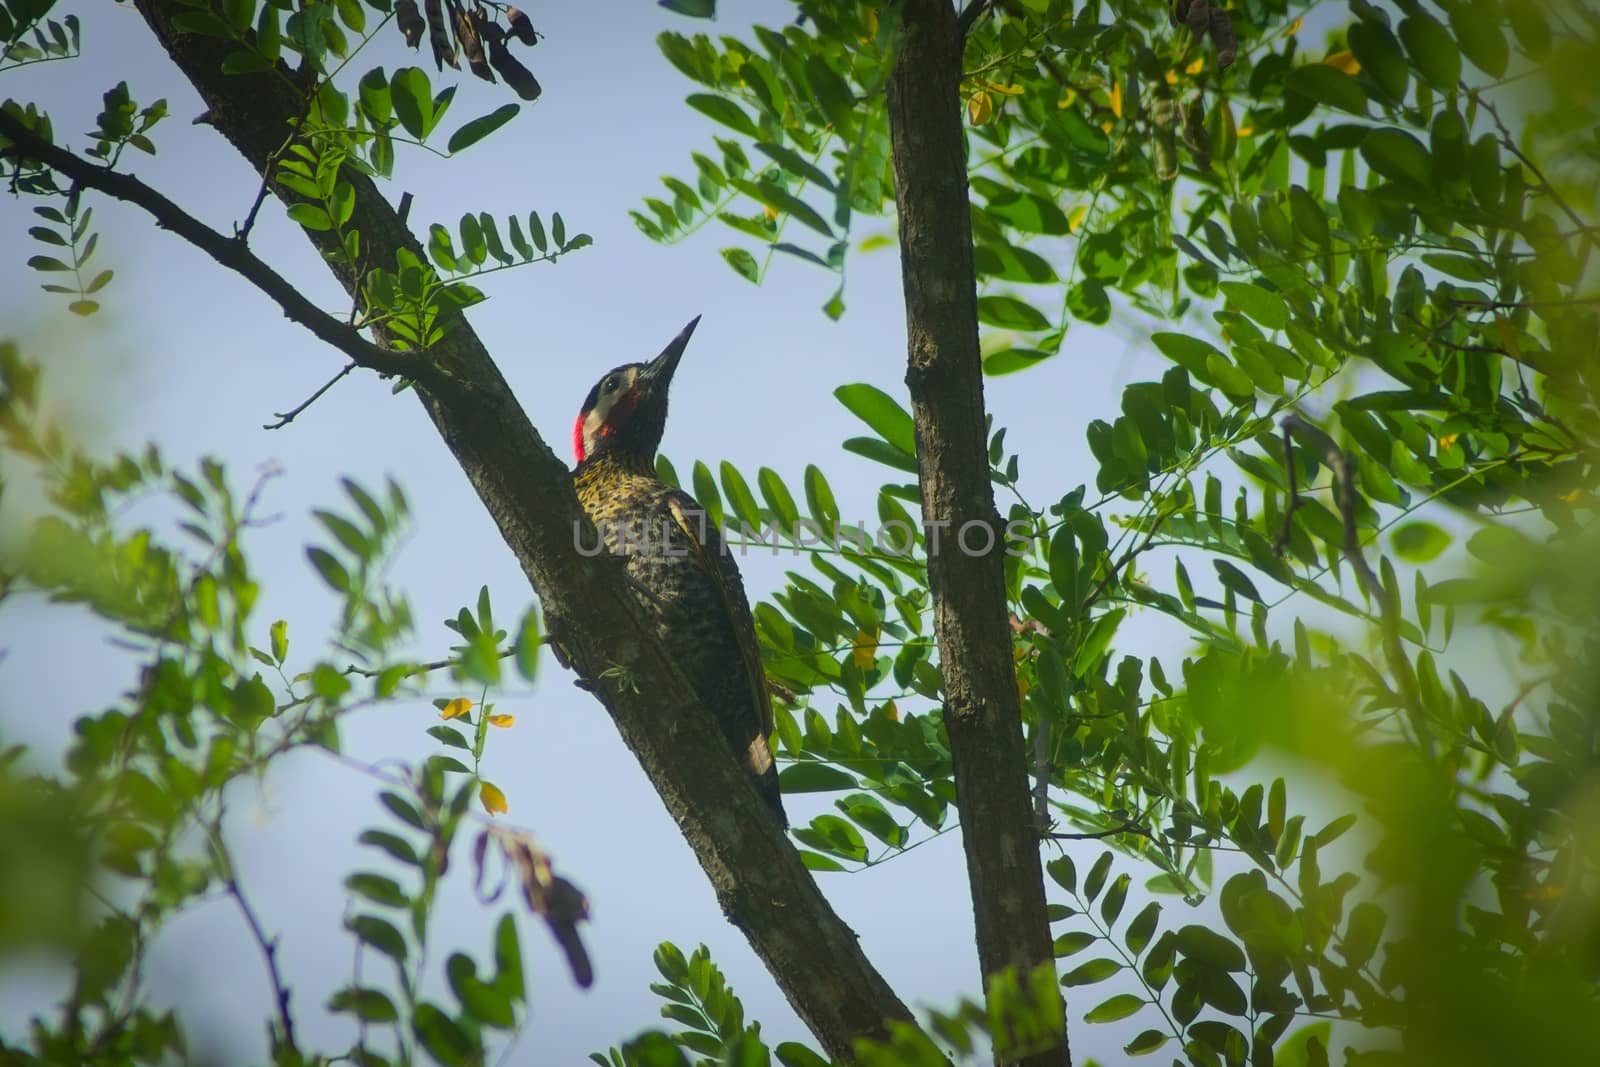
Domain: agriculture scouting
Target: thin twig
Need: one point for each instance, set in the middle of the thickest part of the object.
(286, 417)
(1099, 835)
(1554, 194)
(1509, 305)
(232, 254)
(970, 15)
(268, 945)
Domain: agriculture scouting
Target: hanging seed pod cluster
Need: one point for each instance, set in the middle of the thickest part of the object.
(1204, 17)
(459, 30)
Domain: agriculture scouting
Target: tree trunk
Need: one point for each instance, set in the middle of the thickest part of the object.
(763, 887)
(982, 712)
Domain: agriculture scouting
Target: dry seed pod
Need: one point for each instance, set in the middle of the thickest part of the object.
(469, 41)
(521, 27)
(1178, 12)
(1222, 37)
(409, 20)
(516, 75)
(1199, 17)
(439, 36)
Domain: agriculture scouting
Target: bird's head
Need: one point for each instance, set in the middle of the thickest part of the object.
(626, 411)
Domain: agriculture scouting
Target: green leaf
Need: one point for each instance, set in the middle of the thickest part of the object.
(1097, 876)
(1262, 305)
(392, 844)
(1419, 542)
(1432, 49)
(311, 216)
(697, 9)
(1011, 313)
(1334, 830)
(1088, 301)
(795, 164)
(1478, 29)
(1396, 154)
(882, 413)
(1063, 872)
(1073, 942)
(1114, 1009)
(1206, 945)
(1328, 85)
(413, 100)
(1142, 928)
(380, 934)
(809, 776)
(377, 888)
(481, 127)
(332, 571)
(368, 1005)
(780, 199)
(1147, 1042)
(442, 1036)
(738, 494)
(725, 111)
(1380, 56)
(1233, 578)
(743, 263)
(1089, 973)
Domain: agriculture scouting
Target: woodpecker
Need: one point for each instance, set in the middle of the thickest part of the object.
(675, 556)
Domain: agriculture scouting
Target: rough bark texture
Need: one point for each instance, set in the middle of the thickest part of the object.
(758, 877)
(982, 713)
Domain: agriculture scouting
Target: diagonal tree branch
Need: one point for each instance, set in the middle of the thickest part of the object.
(229, 252)
(595, 622)
(982, 712)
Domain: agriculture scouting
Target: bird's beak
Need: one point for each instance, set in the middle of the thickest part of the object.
(658, 372)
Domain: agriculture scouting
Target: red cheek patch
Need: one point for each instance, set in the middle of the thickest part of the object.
(577, 436)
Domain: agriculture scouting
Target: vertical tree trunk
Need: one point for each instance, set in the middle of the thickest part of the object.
(982, 712)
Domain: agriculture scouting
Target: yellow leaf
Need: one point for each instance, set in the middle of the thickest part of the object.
(1246, 131)
(502, 721)
(1345, 61)
(1294, 27)
(770, 214)
(1067, 99)
(456, 708)
(1172, 77)
(874, 241)
(1075, 218)
(892, 710)
(980, 108)
(494, 801)
(1022, 687)
(865, 652)
(1196, 67)
(1107, 126)
(1573, 497)
(1448, 439)
(1004, 90)
(1116, 99)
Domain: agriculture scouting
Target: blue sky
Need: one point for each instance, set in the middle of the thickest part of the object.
(196, 360)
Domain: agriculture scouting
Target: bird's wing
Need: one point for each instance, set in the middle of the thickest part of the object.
(707, 545)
